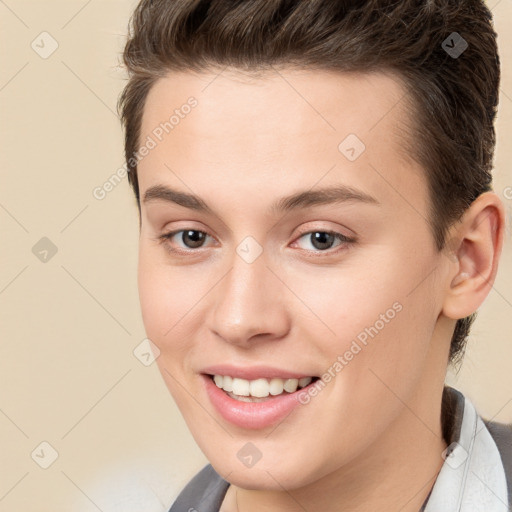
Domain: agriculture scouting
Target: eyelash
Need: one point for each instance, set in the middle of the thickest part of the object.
(166, 237)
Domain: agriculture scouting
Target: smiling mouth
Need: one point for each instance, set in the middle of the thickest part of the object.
(259, 390)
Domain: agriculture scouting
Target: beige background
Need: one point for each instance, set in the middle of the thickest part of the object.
(68, 374)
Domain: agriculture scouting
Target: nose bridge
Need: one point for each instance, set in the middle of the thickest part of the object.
(248, 301)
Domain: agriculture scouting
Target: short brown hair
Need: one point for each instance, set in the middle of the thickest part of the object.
(453, 87)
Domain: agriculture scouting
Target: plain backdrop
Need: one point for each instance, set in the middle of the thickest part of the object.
(71, 386)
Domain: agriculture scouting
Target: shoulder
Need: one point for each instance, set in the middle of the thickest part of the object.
(502, 435)
(205, 492)
(460, 425)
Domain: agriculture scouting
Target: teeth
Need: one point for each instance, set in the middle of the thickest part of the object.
(227, 384)
(276, 386)
(241, 387)
(259, 388)
(304, 382)
(290, 385)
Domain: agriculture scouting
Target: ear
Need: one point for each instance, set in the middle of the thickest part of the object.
(474, 249)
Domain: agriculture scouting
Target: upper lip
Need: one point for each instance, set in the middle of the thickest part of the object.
(253, 372)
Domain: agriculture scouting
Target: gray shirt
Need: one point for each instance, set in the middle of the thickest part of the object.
(476, 475)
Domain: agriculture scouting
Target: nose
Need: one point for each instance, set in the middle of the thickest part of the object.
(250, 304)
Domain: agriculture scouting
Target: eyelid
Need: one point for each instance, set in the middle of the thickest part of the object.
(309, 230)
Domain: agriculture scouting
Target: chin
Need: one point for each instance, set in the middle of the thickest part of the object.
(262, 478)
(272, 474)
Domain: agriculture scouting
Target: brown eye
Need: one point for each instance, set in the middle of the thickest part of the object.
(188, 239)
(193, 238)
(322, 241)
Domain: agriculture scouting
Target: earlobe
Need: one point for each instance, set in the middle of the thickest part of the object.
(475, 256)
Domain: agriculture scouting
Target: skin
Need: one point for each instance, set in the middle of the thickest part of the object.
(298, 306)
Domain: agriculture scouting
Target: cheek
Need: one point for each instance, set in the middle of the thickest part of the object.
(380, 314)
(349, 299)
(384, 337)
(155, 300)
(166, 298)
(161, 286)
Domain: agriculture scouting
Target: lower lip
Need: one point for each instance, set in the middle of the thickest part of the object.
(252, 415)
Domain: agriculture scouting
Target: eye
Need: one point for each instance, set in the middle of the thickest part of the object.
(322, 241)
(190, 238)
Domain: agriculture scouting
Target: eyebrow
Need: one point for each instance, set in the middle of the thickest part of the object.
(303, 199)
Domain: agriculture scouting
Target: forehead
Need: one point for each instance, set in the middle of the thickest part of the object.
(281, 103)
(281, 125)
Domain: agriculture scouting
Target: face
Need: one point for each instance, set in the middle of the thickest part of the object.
(305, 252)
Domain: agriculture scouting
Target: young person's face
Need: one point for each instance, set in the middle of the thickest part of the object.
(269, 288)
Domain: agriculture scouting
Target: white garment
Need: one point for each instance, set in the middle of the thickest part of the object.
(472, 478)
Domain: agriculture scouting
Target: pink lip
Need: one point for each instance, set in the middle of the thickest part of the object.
(252, 372)
(251, 415)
